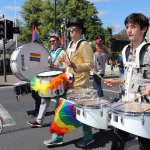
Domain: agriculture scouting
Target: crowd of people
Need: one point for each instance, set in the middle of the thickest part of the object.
(79, 59)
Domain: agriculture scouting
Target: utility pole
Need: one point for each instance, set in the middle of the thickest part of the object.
(55, 17)
(3, 38)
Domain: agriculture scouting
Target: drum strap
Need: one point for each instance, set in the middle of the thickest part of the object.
(56, 54)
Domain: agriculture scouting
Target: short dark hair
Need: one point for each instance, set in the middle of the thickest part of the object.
(138, 18)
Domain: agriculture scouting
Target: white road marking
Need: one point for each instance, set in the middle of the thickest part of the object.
(6, 117)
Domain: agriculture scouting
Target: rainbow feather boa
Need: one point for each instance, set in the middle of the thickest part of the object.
(43, 88)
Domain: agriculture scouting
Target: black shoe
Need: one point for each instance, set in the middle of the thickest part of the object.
(84, 143)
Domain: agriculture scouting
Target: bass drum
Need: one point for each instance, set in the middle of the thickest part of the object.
(29, 60)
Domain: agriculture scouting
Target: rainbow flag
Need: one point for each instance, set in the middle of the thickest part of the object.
(35, 57)
(35, 34)
(62, 40)
(65, 118)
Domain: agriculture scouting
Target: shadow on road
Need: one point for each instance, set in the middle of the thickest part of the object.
(101, 138)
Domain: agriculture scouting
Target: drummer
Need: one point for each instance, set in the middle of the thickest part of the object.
(137, 75)
(79, 60)
(55, 52)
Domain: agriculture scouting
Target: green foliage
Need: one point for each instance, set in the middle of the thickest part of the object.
(41, 13)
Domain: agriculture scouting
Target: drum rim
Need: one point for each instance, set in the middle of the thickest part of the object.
(49, 76)
(92, 107)
(120, 112)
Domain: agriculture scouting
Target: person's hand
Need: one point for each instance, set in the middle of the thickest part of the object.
(52, 66)
(147, 90)
(111, 82)
(70, 64)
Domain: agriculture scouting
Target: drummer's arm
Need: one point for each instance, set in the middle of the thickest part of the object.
(63, 67)
(60, 60)
(113, 82)
(147, 90)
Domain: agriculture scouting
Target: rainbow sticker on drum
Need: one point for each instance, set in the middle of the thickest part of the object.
(35, 57)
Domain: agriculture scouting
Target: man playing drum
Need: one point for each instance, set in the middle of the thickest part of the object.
(136, 58)
(79, 60)
(55, 52)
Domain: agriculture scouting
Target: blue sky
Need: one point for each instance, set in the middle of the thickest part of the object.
(111, 12)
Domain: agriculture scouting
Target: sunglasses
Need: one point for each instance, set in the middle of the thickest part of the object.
(72, 29)
(52, 41)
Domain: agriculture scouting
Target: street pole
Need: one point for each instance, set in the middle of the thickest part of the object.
(4, 51)
(55, 17)
(16, 26)
(4, 61)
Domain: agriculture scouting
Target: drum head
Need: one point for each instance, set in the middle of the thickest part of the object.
(90, 102)
(79, 90)
(49, 73)
(131, 107)
(29, 60)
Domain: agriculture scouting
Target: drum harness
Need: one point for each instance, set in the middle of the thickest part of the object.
(72, 50)
(136, 73)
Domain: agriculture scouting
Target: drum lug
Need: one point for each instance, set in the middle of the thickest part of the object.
(57, 92)
(84, 114)
(109, 117)
(142, 119)
(121, 119)
(101, 112)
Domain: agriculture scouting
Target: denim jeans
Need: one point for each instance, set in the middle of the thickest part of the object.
(97, 85)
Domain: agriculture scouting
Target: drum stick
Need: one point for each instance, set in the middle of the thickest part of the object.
(70, 60)
(99, 76)
(96, 73)
(137, 97)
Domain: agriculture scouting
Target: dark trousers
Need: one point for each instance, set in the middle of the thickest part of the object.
(120, 138)
(37, 100)
(97, 85)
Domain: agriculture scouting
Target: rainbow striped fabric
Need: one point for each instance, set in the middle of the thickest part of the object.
(35, 57)
(65, 118)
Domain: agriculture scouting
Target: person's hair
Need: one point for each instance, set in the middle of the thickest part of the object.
(138, 18)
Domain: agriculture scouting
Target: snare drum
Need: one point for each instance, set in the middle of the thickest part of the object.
(132, 117)
(46, 78)
(79, 93)
(29, 60)
(93, 112)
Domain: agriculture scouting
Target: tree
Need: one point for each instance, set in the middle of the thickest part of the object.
(41, 14)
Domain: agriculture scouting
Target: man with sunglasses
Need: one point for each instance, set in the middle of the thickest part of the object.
(55, 52)
(79, 61)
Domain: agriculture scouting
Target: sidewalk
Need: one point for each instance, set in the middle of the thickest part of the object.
(12, 79)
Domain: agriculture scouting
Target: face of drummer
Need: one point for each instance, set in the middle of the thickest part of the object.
(134, 32)
(75, 32)
(54, 42)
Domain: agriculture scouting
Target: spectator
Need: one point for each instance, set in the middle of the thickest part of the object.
(99, 66)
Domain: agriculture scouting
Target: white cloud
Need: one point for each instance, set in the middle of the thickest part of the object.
(12, 8)
(93, 1)
(100, 13)
(116, 27)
